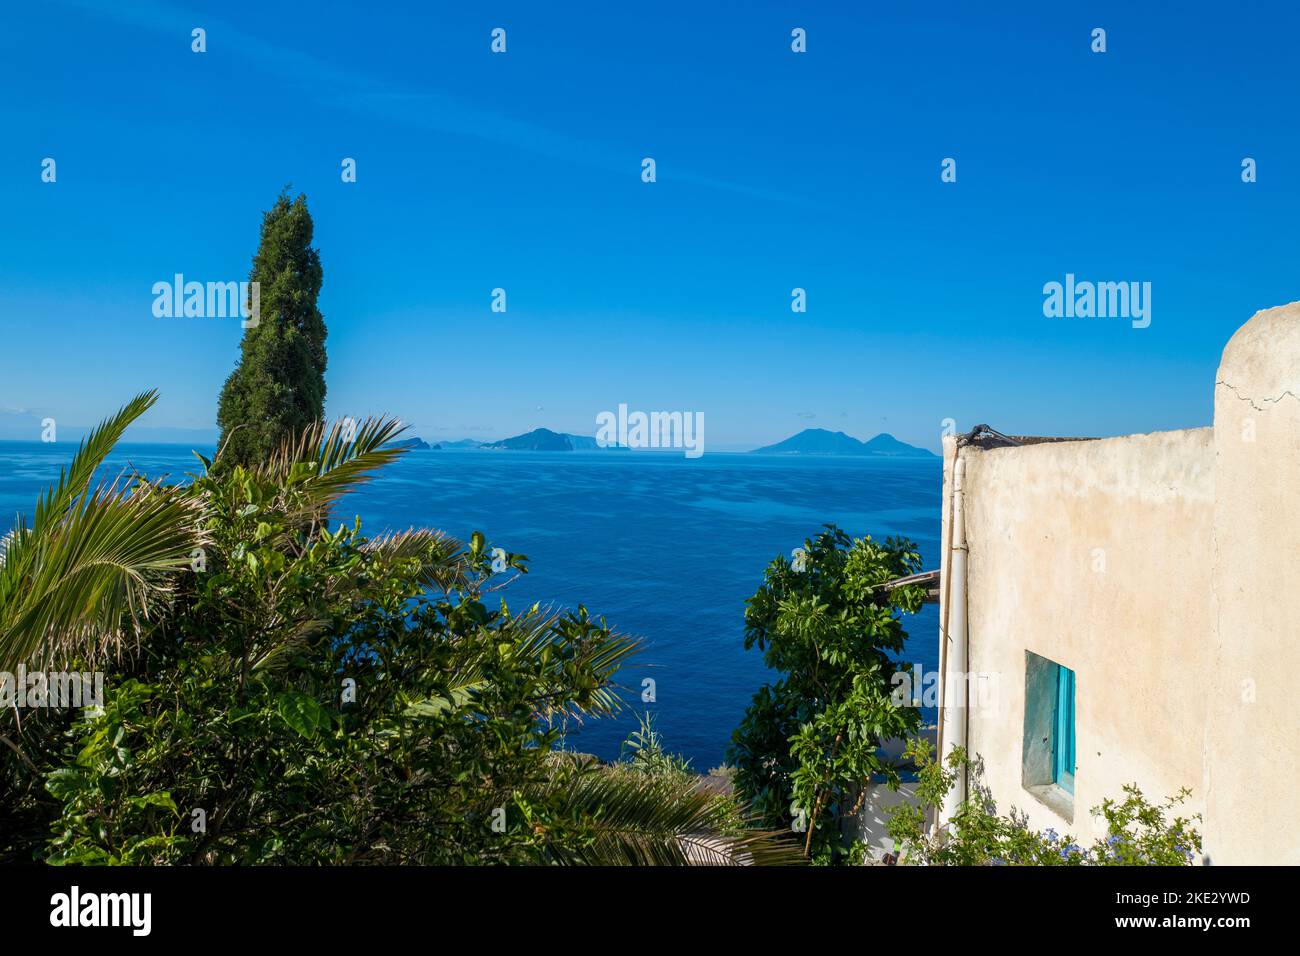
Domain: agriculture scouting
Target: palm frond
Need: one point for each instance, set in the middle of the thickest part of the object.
(298, 638)
(540, 629)
(531, 635)
(326, 464)
(79, 583)
(442, 560)
(94, 448)
(81, 575)
(637, 819)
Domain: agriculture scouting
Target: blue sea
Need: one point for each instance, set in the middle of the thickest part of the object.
(666, 548)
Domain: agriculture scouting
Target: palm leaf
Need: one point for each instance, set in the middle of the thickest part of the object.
(94, 448)
(531, 635)
(638, 819)
(325, 464)
(442, 562)
(79, 580)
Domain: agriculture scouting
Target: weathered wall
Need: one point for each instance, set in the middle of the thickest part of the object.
(1253, 739)
(1164, 569)
(1094, 554)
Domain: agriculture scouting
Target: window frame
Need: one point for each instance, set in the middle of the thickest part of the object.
(1049, 744)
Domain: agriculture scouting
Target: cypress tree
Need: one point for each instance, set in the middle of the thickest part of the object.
(278, 387)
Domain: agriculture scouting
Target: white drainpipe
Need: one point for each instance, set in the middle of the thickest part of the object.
(954, 705)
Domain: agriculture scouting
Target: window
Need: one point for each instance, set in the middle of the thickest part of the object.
(1063, 739)
(1048, 763)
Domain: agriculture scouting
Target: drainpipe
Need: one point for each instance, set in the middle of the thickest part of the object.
(953, 714)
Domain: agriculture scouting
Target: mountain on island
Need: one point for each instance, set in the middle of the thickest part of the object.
(539, 439)
(819, 441)
(886, 445)
(543, 439)
(412, 443)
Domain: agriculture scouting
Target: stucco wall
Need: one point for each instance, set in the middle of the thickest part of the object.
(1096, 555)
(1164, 569)
(1253, 739)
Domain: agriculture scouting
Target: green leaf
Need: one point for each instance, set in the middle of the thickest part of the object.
(65, 783)
(157, 799)
(302, 713)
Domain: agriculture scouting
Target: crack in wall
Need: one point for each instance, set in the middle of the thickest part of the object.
(1247, 398)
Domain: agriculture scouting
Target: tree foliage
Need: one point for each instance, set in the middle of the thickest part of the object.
(810, 740)
(301, 693)
(278, 388)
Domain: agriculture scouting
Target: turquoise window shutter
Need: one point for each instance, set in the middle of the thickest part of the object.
(1063, 736)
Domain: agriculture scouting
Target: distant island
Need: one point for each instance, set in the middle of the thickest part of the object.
(810, 441)
(819, 441)
(543, 439)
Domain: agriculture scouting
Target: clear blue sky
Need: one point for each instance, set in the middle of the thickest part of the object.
(775, 170)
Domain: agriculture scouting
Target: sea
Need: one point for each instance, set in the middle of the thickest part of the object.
(665, 548)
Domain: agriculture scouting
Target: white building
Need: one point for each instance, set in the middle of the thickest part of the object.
(1137, 601)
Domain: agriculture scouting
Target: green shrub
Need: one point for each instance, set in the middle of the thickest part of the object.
(1138, 833)
(809, 742)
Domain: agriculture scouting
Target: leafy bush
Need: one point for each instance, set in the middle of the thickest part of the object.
(300, 693)
(1138, 833)
(809, 742)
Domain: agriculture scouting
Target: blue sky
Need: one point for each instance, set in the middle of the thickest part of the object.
(776, 170)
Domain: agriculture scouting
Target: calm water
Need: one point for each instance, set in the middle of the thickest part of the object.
(666, 548)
